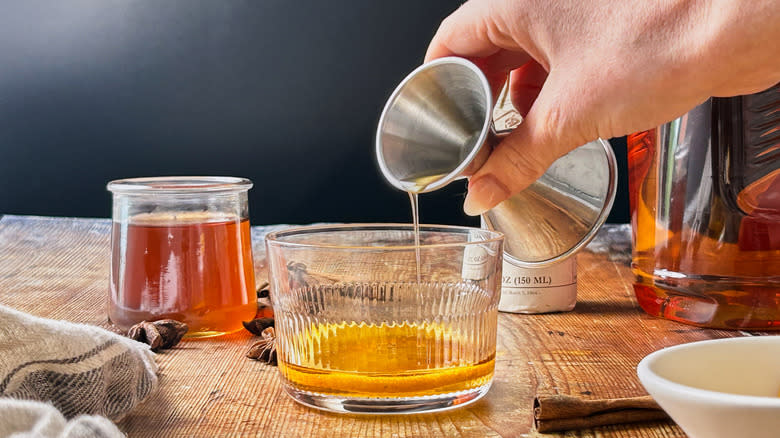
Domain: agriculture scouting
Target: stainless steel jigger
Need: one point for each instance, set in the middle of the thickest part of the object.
(437, 127)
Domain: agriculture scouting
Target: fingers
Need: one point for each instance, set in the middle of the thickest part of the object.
(464, 33)
(512, 166)
(478, 30)
(525, 85)
(547, 133)
(472, 32)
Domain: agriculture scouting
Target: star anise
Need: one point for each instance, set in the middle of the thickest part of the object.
(263, 291)
(264, 349)
(257, 325)
(160, 335)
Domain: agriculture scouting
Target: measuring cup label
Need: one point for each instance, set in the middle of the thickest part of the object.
(539, 290)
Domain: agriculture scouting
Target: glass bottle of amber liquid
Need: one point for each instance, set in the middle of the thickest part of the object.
(705, 213)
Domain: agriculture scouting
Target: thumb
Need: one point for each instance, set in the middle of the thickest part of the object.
(549, 131)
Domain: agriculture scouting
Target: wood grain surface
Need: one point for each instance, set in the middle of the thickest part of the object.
(58, 268)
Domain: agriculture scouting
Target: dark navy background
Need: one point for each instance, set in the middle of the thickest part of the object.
(284, 93)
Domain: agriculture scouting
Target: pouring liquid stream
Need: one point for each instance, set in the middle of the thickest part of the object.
(414, 201)
(414, 186)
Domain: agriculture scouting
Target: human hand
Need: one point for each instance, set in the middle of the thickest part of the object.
(583, 70)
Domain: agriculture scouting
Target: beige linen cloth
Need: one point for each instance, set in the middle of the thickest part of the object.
(60, 379)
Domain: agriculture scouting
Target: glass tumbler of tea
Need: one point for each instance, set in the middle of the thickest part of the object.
(368, 321)
(181, 249)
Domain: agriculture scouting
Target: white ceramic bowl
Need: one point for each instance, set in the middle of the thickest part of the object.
(718, 388)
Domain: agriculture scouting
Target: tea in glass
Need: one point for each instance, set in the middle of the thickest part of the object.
(181, 249)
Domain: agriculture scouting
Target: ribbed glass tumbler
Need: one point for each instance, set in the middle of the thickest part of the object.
(369, 322)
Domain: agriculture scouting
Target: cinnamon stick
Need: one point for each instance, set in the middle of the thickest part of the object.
(563, 412)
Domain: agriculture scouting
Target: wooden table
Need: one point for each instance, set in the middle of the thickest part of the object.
(58, 268)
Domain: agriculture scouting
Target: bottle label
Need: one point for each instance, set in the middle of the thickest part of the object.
(539, 290)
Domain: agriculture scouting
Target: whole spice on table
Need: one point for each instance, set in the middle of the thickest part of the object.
(264, 349)
(262, 291)
(159, 335)
(562, 412)
(264, 309)
(257, 325)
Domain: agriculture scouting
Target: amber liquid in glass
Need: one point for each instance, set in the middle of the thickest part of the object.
(698, 257)
(194, 268)
(390, 359)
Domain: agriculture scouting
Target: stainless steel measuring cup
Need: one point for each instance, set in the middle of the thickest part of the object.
(438, 126)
